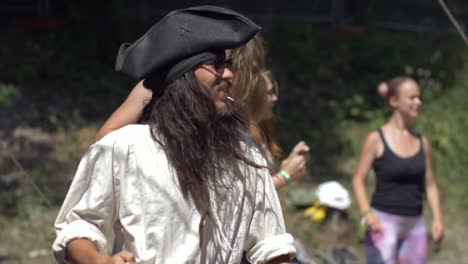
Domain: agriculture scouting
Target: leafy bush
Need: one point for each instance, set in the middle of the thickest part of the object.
(7, 91)
(445, 121)
(328, 80)
(327, 76)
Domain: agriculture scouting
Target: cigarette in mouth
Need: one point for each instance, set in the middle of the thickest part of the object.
(230, 98)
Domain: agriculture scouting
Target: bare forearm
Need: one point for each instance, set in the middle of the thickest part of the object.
(83, 251)
(279, 181)
(433, 198)
(127, 113)
(361, 195)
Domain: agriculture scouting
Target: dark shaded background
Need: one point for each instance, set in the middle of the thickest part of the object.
(58, 85)
(57, 60)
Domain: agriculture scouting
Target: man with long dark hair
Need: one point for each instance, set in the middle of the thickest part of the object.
(186, 185)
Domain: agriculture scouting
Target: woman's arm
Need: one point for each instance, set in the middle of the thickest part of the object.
(295, 165)
(128, 112)
(433, 196)
(368, 154)
(301, 148)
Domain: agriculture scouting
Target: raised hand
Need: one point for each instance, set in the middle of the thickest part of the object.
(301, 148)
(295, 166)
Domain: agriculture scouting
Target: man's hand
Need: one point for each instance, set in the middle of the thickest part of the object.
(123, 257)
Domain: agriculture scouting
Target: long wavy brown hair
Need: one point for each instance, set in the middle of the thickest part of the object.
(262, 130)
(249, 85)
(198, 141)
(248, 63)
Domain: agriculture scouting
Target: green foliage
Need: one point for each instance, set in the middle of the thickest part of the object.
(328, 80)
(333, 105)
(59, 74)
(7, 91)
(444, 121)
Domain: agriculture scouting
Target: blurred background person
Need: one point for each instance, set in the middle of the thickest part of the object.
(261, 103)
(401, 160)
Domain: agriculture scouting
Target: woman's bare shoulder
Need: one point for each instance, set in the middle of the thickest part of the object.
(373, 144)
(373, 137)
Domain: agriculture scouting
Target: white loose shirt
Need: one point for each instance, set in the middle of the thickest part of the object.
(125, 196)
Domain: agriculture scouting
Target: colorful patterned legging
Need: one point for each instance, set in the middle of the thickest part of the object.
(403, 238)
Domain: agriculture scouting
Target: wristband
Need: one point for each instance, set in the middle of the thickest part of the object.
(365, 212)
(285, 176)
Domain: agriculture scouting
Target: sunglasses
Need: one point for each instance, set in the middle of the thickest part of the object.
(219, 65)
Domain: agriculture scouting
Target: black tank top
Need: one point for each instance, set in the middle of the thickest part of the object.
(400, 181)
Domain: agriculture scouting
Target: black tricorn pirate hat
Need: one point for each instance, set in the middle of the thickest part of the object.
(180, 35)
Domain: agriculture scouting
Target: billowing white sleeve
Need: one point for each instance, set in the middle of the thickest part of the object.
(267, 237)
(89, 209)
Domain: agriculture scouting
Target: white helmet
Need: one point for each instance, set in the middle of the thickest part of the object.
(333, 194)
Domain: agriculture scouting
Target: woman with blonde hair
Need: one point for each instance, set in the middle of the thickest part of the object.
(401, 160)
(248, 63)
(258, 88)
(261, 103)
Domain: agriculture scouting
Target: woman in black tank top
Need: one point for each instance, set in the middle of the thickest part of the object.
(401, 160)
